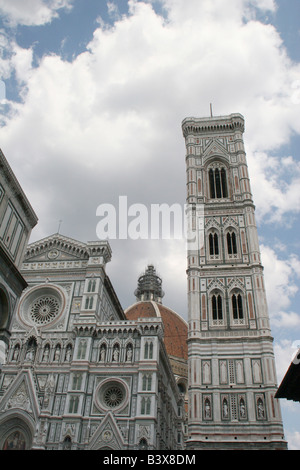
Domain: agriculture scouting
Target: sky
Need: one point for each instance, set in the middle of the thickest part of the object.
(92, 96)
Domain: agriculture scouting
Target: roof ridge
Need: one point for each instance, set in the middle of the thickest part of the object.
(156, 308)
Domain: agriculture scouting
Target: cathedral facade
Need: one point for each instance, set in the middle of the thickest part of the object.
(79, 374)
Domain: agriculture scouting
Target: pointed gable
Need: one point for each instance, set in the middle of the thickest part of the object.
(215, 149)
(21, 395)
(56, 248)
(107, 435)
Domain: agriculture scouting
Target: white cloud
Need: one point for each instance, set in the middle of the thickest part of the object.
(143, 71)
(32, 12)
(108, 123)
(283, 352)
(265, 4)
(281, 286)
(275, 184)
(293, 440)
(21, 61)
(5, 67)
(113, 10)
(217, 11)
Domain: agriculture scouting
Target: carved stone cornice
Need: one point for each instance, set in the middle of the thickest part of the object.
(218, 124)
(97, 252)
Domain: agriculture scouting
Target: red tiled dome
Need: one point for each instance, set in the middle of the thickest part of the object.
(175, 327)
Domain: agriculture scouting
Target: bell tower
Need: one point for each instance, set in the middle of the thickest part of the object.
(232, 376)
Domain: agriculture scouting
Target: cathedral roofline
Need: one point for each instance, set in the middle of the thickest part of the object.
(88, 249)
(15, 185)
(114, 297)
(156, 306)
(57, 236)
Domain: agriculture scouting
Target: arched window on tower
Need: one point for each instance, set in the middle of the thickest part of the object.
(231, 243)
(237, 308)
(218, 183)
(213, 244)
(217, 309)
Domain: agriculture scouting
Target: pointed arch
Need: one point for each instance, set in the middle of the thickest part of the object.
(67, 443)
(213, 244)
(231, 240)
(111, 440)
(237, 306)
(218, 180)
(31, 349)
(18, 431)
(217, 307)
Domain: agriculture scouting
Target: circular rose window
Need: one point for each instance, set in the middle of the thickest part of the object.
(44, 309)
(111, 395)
(42, 305)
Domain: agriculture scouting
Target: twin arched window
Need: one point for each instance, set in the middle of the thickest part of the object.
(148, 352)
(217, 307)
(145, 406)
(231, 242)
(89, 301)
(73, 404)
(77, 381)
(91, 285)
(213, 244)
(218, 183)
(82, 347)
(147, 382)
(237, 307)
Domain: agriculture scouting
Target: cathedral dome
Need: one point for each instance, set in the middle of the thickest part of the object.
(176, 329)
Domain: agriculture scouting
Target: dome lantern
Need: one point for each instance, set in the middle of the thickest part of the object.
(149, 286)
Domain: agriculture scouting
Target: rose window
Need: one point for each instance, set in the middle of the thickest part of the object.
(113, 396)
(44, 309)
(42, 305)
